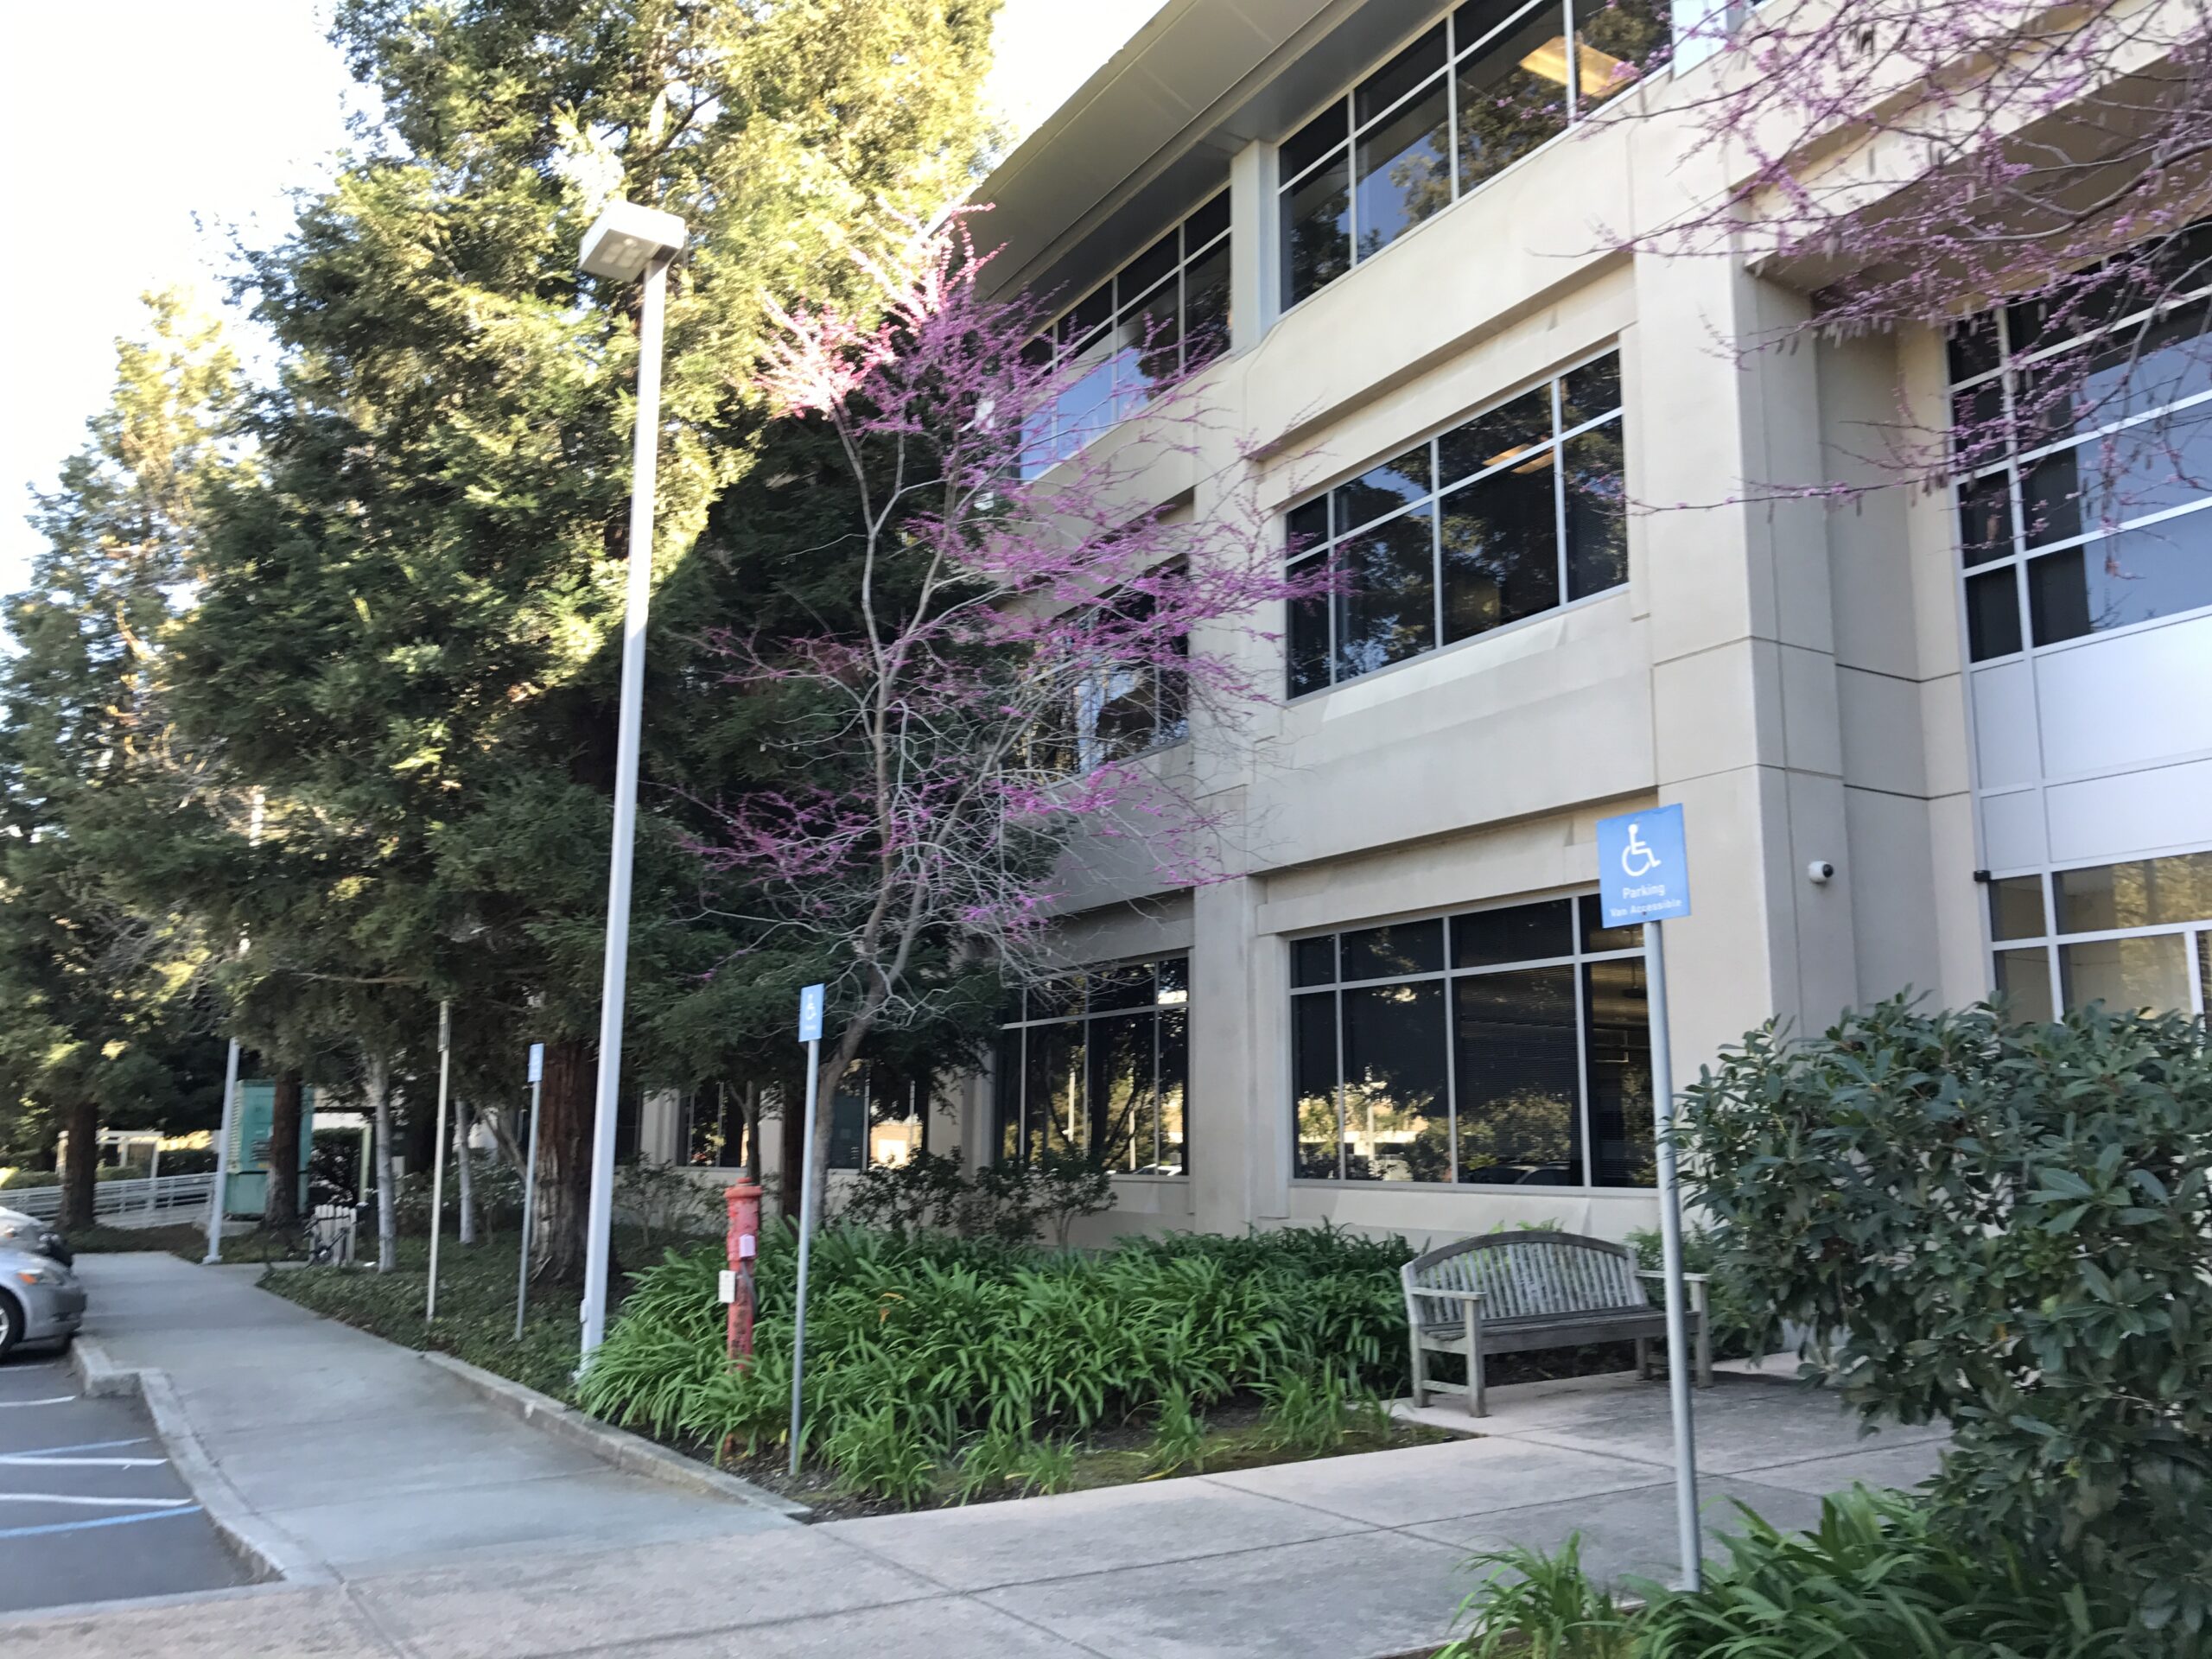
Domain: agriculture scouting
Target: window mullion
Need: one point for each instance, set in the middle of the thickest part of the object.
(1573, 62)
(1559, 484)
(1582, 1077)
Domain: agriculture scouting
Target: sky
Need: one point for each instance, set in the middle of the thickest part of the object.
(137, 137)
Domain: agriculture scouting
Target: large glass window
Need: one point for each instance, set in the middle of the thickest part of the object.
(1507, 1046)
(1513, 512)
(2086, 499)
(1161, 315)
(2132, 935)
(1483, 87)
(1098, 1062)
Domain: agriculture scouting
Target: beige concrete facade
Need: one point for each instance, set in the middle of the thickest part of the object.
(1793, 675)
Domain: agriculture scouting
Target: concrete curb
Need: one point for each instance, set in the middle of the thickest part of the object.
(263, 1550)
(630, 1453)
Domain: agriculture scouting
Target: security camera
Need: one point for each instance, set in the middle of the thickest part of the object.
(1820, 872)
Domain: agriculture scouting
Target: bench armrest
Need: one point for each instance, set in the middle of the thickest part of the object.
(1688, 1278)
(1476, 1296)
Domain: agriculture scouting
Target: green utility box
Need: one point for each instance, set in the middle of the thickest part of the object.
(247, 1191)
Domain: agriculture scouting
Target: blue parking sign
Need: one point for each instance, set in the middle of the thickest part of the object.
(809, 1014)
(1643, 866)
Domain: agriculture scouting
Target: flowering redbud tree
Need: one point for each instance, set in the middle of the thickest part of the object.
(1950, 162)
(1005, 729)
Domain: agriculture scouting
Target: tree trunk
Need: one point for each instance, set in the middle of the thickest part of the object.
(833, 1070)
(282, 1208)
(564, 1136)
(794, 1122)
(379, 1092)
(81, 1170)
(464, 1178)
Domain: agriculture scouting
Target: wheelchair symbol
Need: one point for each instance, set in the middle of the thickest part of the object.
(1636, 859)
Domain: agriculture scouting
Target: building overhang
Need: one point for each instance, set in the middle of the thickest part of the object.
(1151, 134)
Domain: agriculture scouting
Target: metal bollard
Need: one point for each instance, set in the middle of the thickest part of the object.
(744, 1202)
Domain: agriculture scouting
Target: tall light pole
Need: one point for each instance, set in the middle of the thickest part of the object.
(626, 242)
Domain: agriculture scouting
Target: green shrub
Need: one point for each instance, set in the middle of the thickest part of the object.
(2004, 1226)
(1736, 1333)
(1043, 1468)
(1007, 1202)
(1877, 1577)
(882, 1454)
(1179, 1436)
(978, 1342)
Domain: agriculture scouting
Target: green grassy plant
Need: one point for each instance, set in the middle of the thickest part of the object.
(976, 1338)
(1179, 1436)
(1045, 1467)
(883, 1453)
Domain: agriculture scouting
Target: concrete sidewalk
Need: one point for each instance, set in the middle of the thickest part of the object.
(1347, 1558)
(356, 1453)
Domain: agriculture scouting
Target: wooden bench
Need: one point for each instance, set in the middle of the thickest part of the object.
(1510, 1292)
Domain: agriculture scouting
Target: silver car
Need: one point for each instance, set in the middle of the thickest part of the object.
(21, 1232)
(40, 1299)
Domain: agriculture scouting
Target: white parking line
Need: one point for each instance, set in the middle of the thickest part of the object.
(82, 1446)
(39, 1461)
(57, 1400)
(95, 1503)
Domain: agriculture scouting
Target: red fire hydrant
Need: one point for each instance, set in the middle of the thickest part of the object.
(744, 1202)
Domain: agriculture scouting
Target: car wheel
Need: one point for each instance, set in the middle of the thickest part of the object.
(11, 1324)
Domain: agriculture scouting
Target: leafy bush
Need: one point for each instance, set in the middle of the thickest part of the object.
(2003, 1225)
(1877, 1577)
(972, 1341)
(1736, 1333)
(1178, 1437)
(1006, 1201)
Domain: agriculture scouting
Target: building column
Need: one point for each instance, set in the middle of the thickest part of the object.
(1238, 1125)
(1255, 267)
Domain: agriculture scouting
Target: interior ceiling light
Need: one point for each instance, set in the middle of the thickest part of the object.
(1600, 75)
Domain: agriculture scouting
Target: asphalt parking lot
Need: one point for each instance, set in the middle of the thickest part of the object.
(90, 1509)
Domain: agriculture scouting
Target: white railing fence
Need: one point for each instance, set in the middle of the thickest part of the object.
(117, 1197)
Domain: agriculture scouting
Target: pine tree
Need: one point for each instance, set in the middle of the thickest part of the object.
(409, 629)
(105, 1006)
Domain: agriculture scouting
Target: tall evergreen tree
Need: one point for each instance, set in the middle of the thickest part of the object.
(409, 630)
(104, 1012)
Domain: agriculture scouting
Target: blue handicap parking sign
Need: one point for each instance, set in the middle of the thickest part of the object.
(809, 1014)
(1643, 866)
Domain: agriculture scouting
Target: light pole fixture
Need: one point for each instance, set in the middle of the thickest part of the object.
(626, 242)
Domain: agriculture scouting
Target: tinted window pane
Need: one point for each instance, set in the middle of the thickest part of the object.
(1591, 391)
(1128, 987)
(1518, 1077)
(1174, 979)
(1517, 934)
(1307, 527)
(2150, 975)
(1596, 936)
(1006, 1095)
(2024, 981)
(2016, 907)
(1313, 1083)
(1309, 638)
(1597, 512)
(2142, 892)
(1151, 341)
(1622, 1135)
(1382, 489)
(1986, 519)
(1399, 76)
(1316, 232)
(1993, 614)
(1494, 438)
(1205, 223)
(1152, 265)
(1313, 962)
(2153, 467)
(2137, 576)
(1616, 39)
(1205, 307)
(1404, 947)
(1395, 1121)
(1387, 611)
(1973, 346)
(2139, 369)
(1478, 18)
(1505, 109)
(1124, 1113)
(1501, 548)
(1052, 1089)
(1314, 140)
(1174, 1094)
(1404, 169)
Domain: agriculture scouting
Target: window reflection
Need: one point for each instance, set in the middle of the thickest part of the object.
(1548, 1076)
(1097, 1063)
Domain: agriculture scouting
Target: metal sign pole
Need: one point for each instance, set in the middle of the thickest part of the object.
(438, 1152)
(810, 1031)
(215, 1199)
(528, 1185)
(1670, 1239)
(1643, 875)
